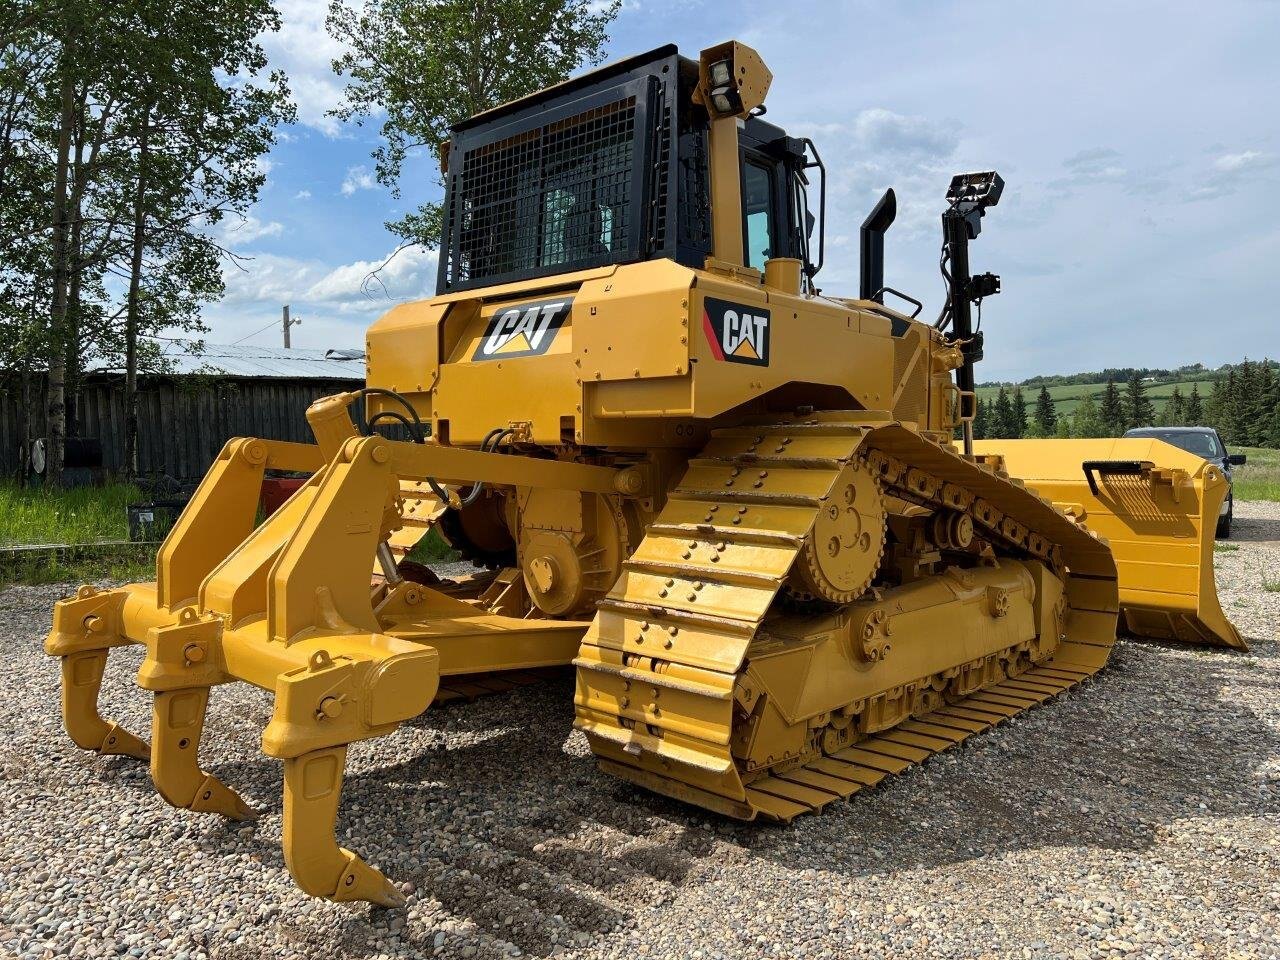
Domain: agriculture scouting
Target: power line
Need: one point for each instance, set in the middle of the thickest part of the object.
(254, 334)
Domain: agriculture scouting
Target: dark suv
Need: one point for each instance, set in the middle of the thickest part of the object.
(1203, 442)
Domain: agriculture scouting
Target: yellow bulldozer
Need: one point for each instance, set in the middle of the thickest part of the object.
(732, 503)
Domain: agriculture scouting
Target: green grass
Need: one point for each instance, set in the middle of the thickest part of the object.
(92, 515)
(1259, 478)
(1220, 547)
(1272, 586)
(83, 515)
(133, 563)
(432, 547)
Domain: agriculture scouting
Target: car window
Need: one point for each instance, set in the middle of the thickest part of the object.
(1201, 444)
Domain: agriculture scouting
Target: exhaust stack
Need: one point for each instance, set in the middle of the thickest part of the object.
(872, 246)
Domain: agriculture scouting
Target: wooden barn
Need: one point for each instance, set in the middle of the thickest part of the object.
(186, 414)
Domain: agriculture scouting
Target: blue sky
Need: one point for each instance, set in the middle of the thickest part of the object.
(1140, 144)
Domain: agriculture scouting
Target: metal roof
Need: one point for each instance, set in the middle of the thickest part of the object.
(250, 362)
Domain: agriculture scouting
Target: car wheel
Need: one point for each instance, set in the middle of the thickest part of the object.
(1224, 523)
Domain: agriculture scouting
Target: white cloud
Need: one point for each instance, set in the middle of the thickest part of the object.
(358, 178)
(266, 277)
(899, 136)
(268, 280)
(238, 232)
(305, 51)
(1231, 162)
(302, 195)
(1230, 171)
(880, 148)
(1095, 165)
(410, 273)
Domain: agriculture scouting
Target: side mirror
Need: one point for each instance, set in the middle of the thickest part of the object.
(1237, 459)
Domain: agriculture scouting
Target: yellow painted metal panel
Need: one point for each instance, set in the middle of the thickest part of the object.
(1159, 524)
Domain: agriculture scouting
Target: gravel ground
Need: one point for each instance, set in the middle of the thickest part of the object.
(1136, 816)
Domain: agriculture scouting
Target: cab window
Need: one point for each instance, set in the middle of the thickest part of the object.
(757, 209)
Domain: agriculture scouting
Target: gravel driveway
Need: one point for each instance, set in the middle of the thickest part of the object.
(1137, 815)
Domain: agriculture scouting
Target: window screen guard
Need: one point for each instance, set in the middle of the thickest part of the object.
(551, 191)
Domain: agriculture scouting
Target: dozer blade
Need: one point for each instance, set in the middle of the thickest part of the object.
(1158, 506)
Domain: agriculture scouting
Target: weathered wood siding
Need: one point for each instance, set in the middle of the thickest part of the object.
(182, 421)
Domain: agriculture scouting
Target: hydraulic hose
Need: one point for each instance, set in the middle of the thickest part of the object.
(416, 430)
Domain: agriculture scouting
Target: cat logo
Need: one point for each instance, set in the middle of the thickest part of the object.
(736, 332)
(523, 329)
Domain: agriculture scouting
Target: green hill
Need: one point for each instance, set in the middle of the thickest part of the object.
(1066, 396)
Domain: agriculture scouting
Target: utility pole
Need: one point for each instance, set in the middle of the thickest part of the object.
(287, 323)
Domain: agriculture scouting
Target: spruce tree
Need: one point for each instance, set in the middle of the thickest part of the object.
(1249, 406)
(1019, 424)
(1195, 408)
(1269, 388)
(1111, 412)
(1174, 411)
(1223, 404)
(1046, 416)
(981, 420)
(1002, 417)
(1086, 421)
(1138, 411)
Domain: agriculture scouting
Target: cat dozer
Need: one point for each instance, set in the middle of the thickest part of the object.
(731, 502)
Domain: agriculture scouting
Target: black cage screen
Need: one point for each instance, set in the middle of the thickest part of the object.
(562, 189)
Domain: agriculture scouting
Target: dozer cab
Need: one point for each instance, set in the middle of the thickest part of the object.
(731, 502)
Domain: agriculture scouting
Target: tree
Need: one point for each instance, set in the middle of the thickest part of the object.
(1249, 405)
(1223, 406)
(1138, 410)
(1269, 389)
(1046, 417)
(1194, 415)
(1002, 422)
(1086, 421)
(118, 128)
(1020, 420)
(982, 420)
(423, 67)
(195, 148)
(1174, 412)
(1111, 411)
(28, 60)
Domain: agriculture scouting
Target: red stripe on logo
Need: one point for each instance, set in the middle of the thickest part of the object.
(712, 339)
